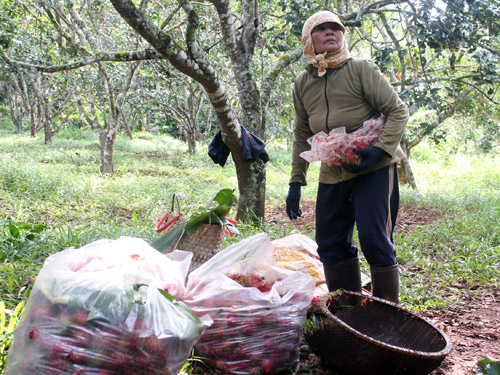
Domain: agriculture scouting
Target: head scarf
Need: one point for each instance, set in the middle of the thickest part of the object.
(325, 60)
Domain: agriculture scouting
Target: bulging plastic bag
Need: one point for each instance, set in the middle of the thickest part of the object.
(298, 252)
(337, 147)
(107, 308)
(258, 309)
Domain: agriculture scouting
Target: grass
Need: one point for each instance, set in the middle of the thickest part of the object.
(60, 187)
(461, 252)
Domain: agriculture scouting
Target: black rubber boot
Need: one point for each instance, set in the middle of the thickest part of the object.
(343, 275)
(385, 282)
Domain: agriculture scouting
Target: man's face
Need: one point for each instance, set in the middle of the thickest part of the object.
(327, 37)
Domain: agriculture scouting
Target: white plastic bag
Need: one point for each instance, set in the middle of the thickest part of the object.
(337, 147)
(103, 309)
(299, 252)
(257, 329)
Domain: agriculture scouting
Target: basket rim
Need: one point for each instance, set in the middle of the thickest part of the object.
(416, 353)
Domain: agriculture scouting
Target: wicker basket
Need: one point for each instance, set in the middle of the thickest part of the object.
(204, 243)
(375, 337)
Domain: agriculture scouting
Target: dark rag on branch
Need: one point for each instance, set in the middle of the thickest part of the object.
(253, 148)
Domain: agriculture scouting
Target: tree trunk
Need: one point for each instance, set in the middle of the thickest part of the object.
(191, 141)
(46, 120)
(251, 176)
(107, 138)
(23, 92)
(252, 188)
(126, 124)
(16, 113)
(405, 173)
(47, 126)
(44, 107)
(31, 113)
(29, 108)
(194, 63)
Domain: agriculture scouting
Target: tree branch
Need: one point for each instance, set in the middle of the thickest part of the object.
(227, 28)
(414, 82)
(473, 86)
(447, 114)
(170, 16)
(191, 29)
(202, 73)
(147, 54)
(165, 45)
(77, 46)
(372, 7)
(275, 71)
(250, 25)
(398, 48)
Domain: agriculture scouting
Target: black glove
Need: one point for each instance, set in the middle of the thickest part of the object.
(369, 157)
(293, 200)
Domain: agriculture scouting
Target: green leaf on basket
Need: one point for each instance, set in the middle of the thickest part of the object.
(214, 212)
(174, 235)
(495, 366)
(225, 197)
(197, 220)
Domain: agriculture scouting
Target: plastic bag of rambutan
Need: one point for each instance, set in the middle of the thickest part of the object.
(107, 308)
(337, 147)
(258, 309)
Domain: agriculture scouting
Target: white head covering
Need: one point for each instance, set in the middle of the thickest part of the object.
(325, 60)
(313, 21)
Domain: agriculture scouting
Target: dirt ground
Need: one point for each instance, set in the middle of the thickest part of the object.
(474, 328)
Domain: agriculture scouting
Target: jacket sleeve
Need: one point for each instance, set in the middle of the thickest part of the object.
(301, 132)
(381, 95)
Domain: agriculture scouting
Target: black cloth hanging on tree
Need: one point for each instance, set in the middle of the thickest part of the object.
(253, 148)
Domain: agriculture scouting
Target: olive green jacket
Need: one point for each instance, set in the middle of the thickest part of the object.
(345, 96)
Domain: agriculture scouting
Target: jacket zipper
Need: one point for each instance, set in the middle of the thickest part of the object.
(327, 105)
(326, 120)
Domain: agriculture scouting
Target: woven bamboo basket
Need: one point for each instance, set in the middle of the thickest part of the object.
(362, 334)
(204, 243)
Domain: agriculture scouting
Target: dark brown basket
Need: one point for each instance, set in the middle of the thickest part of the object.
(375, 337)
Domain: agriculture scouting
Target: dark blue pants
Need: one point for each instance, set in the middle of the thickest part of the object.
(370, 201)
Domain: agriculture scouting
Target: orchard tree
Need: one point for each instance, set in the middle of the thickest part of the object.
(413, 42)
(72, 36)
(437, 54)
(180, 98)
(239, 36)
(440, 55)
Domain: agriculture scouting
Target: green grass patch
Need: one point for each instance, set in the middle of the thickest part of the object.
(60, 188)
